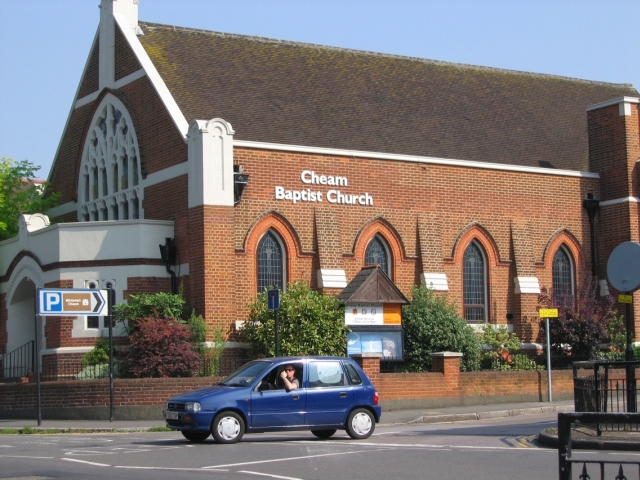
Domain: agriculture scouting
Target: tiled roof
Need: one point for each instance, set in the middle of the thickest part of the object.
(301, 94)
(372, 285)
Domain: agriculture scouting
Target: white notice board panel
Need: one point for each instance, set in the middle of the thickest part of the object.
(364, 314)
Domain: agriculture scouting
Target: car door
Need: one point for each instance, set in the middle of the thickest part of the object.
(274, 407)
(329, 395)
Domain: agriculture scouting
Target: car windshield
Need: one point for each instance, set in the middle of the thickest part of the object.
(245, 374)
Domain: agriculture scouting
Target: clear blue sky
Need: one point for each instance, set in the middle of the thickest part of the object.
(44, 43)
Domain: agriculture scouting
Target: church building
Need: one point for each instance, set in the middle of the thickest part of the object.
(257, 162)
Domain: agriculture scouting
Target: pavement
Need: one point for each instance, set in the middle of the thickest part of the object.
(581, 438)
(394, 417)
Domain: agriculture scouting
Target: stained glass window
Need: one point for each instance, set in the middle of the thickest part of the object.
(271, 258)
(474, 284)
(377, 253)
(562, 273)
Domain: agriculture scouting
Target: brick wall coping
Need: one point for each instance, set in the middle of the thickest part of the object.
(366, 355)
(445, 354)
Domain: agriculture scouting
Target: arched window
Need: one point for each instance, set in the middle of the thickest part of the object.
(271, 262)
(110, 163)
(562, 273)
(377, 253)
(475, 284)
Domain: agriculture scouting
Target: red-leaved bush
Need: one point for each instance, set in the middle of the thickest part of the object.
(582, 319)
(160, 347)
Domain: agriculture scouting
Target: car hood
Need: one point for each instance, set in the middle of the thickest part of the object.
(197, 395)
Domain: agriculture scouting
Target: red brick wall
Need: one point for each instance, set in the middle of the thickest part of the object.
(90, 82)
(125, 60)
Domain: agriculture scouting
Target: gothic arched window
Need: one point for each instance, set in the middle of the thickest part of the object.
(562, 273)
(271, 262)
(110, 162)
(377, 253)
(475, 284)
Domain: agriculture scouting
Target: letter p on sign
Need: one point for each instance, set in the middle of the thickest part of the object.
(53, 301)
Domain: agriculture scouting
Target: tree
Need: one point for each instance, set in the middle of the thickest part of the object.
(159, 305)
(309, 324)
(431, 324)
(583, 319)
(20, 195)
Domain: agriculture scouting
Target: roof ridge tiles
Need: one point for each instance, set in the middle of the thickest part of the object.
(292, 43)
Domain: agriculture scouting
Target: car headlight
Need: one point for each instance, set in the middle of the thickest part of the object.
(192, 407)
(166, 406)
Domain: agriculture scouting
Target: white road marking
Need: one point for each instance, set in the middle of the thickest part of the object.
(168, 468)
(85, 462)
(25, 456)
(292, 458)
(268, 475)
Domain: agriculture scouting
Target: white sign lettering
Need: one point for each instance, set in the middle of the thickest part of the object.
(310, 177)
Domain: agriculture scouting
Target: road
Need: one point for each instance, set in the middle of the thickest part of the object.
(485, 449)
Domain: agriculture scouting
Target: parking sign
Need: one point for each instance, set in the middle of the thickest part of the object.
(57, 302)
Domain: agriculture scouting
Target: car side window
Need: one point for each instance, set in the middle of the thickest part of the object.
(354, 376)
(326, 374)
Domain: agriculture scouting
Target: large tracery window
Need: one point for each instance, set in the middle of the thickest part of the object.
(110, 182)
(562, 273)
(271, 262)
(377, 253)
(475, 284)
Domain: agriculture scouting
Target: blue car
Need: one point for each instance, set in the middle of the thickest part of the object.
(321, 394)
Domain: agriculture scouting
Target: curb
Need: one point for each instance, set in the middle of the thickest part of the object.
(549, 440)
(461, 417)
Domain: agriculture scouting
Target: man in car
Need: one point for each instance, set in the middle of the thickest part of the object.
(288, 378)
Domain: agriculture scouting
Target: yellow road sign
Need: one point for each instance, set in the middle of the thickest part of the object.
(625, 298)
(548, 313)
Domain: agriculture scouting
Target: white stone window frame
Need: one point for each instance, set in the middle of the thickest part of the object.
(106, 152)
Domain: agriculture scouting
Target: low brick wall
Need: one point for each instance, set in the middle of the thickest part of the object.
(134, 398)
(144, 398)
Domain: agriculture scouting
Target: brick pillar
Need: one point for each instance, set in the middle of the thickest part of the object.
(370, 364)
(614, 148)
(447, 363)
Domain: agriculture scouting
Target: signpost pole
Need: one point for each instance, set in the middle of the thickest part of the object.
(629, 357)
(110, 294)
(273, 303)
(549, 361)
(36, 347)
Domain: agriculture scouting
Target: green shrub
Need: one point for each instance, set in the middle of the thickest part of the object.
(98, 355)
(309, 324)
(432, 324)
(155, 305)
(210, 354)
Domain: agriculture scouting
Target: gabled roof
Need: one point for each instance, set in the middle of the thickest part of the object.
(372, 285)
(300, 94)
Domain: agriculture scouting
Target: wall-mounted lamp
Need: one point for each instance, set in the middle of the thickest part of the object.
(591, 205)
(168, 253)
(240, 181)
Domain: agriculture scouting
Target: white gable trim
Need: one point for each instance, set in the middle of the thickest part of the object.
(413, 158)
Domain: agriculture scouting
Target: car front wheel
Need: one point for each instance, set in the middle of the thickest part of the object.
(195, 436)
(227, 427)
(360, 424)
(324, 434)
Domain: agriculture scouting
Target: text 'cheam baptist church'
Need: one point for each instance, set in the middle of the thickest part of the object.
(332, 196)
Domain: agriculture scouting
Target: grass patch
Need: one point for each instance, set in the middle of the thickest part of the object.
(160, 429)
(9, 431)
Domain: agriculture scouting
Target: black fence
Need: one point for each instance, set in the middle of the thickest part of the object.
(75, 370)
(614, 469)
(17, 363)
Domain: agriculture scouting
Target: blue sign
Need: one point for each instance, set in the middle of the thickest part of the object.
(273, 299)
(56, 302)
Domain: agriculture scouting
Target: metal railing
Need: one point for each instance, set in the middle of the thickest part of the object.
(17, 363)
(69, 369)
(565, 462)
